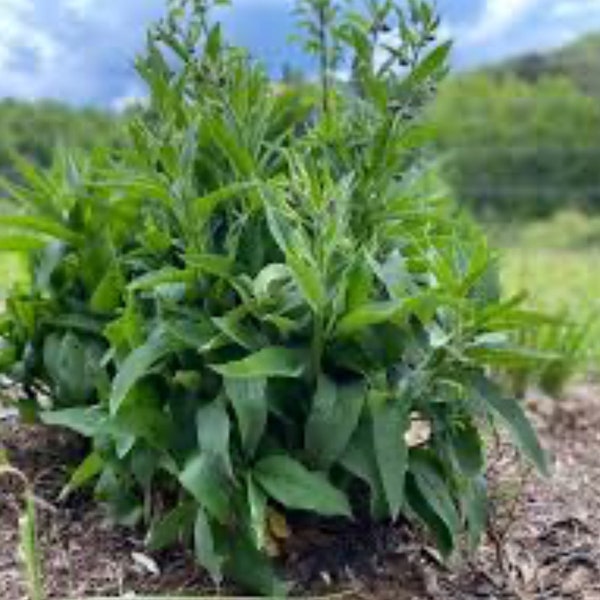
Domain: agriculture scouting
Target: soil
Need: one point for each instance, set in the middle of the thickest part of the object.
(544, 542)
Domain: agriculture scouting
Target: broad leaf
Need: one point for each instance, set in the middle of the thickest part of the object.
(268, 362)
(203, 478)
(138, 364)
(293, 485)
(249, 401)
(213, 427)
(172, 526)
(86, 421)
(509, 410)
(205, 549)
(334, 416)
(390, 423)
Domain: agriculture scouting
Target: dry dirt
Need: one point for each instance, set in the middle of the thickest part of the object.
(544, 543)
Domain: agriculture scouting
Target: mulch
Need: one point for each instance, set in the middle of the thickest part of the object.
(544, 542)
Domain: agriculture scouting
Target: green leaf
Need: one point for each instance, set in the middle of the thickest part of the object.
(509, 410)
(420, 506)
(375, 313)
(213, 264)
(213, 429)
(205, 205)
(307, 277)
(249, 400)
(172, 526)
(40, 225)
(85, 421)
(204, 479)
(390, 423)
(360, 460)
(22, 243)
(249, 567)
(231, 326)
(84, 473)
(166, 275)
(475, 507)
(269, 362)
(334, 416)
(294, 486)
(467, 448)
(204, 545)
(432, 484)
(257, 506)
(138, 364)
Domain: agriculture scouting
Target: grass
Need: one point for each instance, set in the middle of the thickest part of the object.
(556, 263)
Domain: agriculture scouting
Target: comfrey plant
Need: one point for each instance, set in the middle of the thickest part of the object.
(247, 309)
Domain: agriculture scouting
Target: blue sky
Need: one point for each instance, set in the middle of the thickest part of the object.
(82, 51)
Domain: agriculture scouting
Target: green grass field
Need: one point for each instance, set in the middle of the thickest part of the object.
(556, 263)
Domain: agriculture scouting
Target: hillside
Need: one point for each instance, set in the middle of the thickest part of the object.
(579, 62)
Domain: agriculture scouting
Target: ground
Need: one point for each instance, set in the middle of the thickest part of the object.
(544, 542)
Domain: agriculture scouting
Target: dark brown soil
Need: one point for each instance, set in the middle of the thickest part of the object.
(544, 541)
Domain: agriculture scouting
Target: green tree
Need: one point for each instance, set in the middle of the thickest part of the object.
(518, 149)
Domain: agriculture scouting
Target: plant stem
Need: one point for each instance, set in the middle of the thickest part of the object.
(324, 58)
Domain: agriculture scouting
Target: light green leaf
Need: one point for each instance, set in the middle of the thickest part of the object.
(166, 275)
(22, 243)
(367, 315)
(294, 486)
(269, 362)
(85, 421)
(213, 264)
(334, 416)
(40, 225)
(308, 279)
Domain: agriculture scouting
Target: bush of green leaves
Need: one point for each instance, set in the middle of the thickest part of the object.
(250, 307)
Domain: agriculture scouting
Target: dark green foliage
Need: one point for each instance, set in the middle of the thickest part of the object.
(33, 131)
(260, 295)
(519, 150)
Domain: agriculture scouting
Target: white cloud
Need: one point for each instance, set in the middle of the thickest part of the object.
(18, 31)
(570, 9)
(497, 17)
(80, 8)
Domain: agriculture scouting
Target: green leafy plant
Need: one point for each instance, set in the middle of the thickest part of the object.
(565, 351)
(248, 309)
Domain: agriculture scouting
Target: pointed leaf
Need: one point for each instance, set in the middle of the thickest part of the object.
(390, 423)
(509, 410)
(249, 400)
(204, 545)
(294, 486)
(334, 416)
(268, 362)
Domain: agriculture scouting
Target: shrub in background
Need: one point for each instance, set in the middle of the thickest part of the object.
(247, 310)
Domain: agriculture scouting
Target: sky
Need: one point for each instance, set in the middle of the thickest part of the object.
(82, 51)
